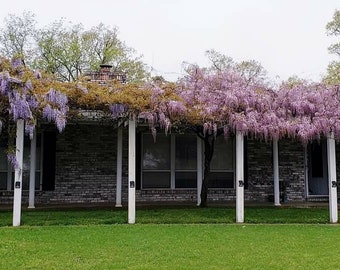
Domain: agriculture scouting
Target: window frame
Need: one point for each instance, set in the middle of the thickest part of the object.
(173, 170)
(39, 169)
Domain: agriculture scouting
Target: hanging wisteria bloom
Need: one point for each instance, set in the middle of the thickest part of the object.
(118, 110)
(19, 106)
(56, 109)
(12, 159)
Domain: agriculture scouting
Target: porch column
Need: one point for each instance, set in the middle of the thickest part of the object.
(132, 172)
(199, 170)
(332, 183)
(32, 170)
(276, 173)
(119, 167)
(19, 152)
(239, 177)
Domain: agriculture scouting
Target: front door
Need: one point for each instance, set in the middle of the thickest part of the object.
(318, 171)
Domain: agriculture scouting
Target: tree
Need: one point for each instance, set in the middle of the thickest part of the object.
(293, 81)
(333, 73)
(219, 61)
(252, 71)
(62, 51)
(68, 50)
(223, 102)
(17, 37)
(333, 69)
(104, 47)
(219, 81)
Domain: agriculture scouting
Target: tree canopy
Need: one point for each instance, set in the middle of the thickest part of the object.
(333, 69)
(68, 50)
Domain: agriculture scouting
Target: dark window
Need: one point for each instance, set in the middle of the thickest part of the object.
(49, 160)
(317, 162)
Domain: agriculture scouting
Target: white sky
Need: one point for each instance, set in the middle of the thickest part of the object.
(286, 36)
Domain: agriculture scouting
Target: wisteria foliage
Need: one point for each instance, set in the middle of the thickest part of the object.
(221, 101)
(23, 103)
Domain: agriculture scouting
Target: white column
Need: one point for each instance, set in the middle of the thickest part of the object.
(132, 172)
(239, 177)
(32, 170)
(276, 173)
(332, 183)
(19, 143)
(199, 169)
(119, 167)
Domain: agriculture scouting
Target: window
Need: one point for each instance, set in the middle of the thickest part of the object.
(222, 164)
(185, 161)
(156, 161)
(171, 162)
(7, 173)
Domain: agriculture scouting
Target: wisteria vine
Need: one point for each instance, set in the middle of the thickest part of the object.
(221, 101)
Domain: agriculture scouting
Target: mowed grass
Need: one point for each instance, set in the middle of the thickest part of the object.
(170, 238)
(166, 215)
(171, 246)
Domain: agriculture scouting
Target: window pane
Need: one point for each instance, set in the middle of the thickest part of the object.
(223, 155)
(3, 180)
(156, 155)
(186, 180)
(37, 181)
(25, 180)
(221, 180)
(186, 152)
(317, 160)
(3, 159)
(156, 180)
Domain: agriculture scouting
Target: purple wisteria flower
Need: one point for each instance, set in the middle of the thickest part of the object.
(56, 97)
(49, 113)
(56, 109)
(16, 62)
(28, 85)
(4, 83)
(12, 159)
(32, 102)
(37, 74)
(29, 129)
(118, 110)
(19, 106)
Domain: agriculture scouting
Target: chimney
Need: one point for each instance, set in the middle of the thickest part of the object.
(105, 70)
(105, 74)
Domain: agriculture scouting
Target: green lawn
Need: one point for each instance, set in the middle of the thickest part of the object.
(170, 238)
(171, 246)
(174, 215)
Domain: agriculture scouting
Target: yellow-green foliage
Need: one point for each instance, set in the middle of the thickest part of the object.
(87, 95)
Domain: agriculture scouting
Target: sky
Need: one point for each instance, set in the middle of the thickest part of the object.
(287, 37)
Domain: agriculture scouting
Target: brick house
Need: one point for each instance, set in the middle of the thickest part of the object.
(95, 161)
(79, 166)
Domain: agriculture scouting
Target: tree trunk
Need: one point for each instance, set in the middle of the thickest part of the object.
(209, 142)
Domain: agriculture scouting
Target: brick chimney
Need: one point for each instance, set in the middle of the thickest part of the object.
(105, 74)
(105, 71)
